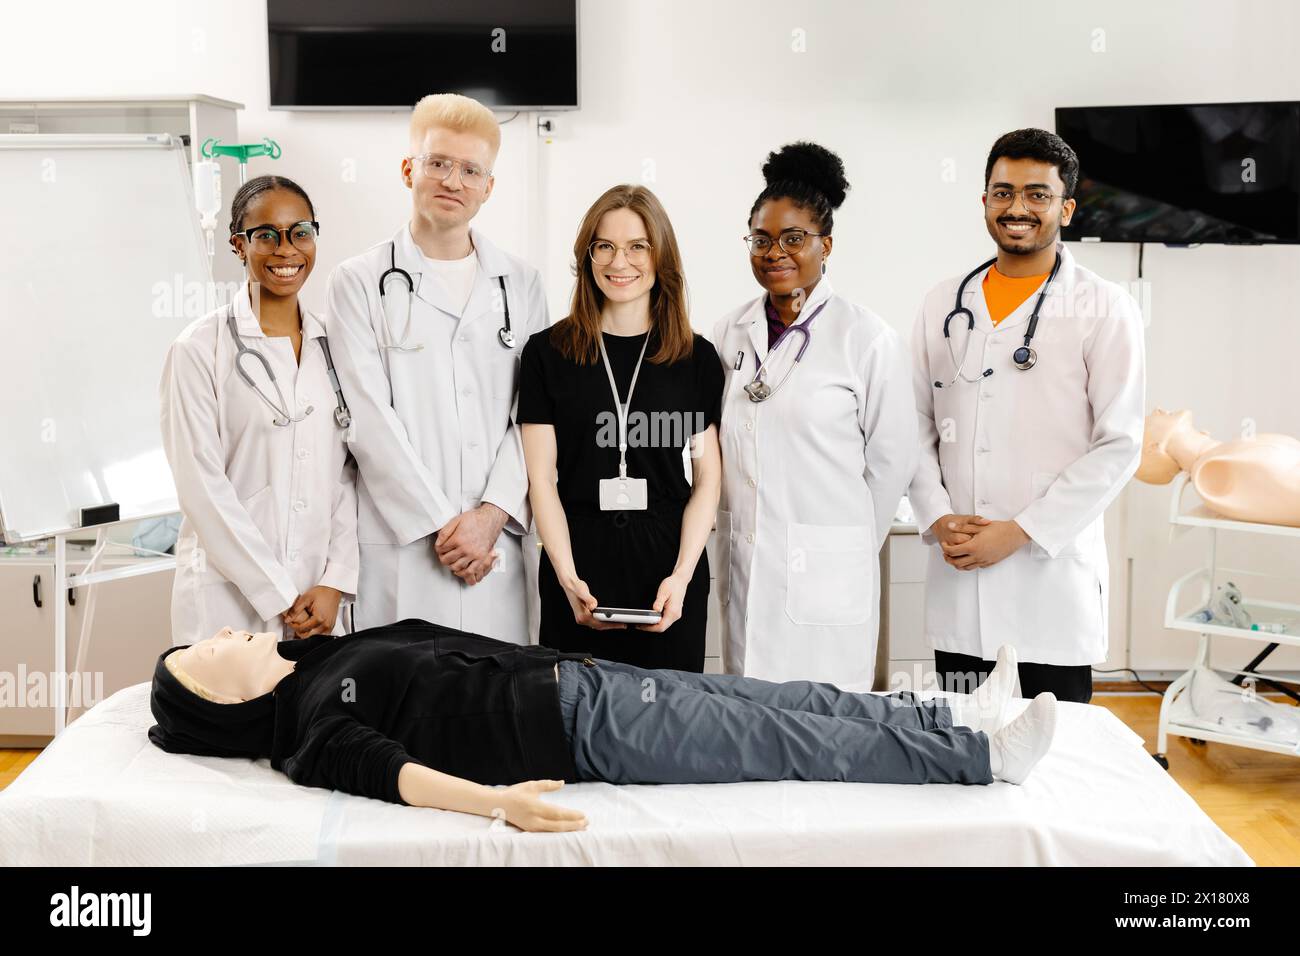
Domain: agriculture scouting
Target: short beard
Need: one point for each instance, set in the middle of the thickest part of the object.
(1044, 243)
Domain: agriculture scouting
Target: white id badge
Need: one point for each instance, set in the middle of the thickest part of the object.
(623, 494)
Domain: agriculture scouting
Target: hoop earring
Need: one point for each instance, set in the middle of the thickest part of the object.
(823, 266)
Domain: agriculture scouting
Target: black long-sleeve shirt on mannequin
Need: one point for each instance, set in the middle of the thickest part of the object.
(357, 708)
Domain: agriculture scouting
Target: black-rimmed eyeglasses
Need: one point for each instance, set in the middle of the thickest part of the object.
(266, 238)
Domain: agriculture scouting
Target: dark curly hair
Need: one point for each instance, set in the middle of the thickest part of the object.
(1041, 145)
(809, 175)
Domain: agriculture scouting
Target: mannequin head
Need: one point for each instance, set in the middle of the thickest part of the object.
(215, 697)
(231, 666)
(1170, 444)
(1158, 466)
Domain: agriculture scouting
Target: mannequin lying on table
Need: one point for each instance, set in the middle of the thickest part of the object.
(428, 716)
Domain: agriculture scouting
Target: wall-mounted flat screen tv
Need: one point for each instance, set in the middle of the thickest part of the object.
(386, 54)
(1202, 173)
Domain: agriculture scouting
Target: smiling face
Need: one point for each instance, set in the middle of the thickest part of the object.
(283, 271)
(1018, 229)
(452, 202)
(620, 280)
(235, 665)
(777, 271)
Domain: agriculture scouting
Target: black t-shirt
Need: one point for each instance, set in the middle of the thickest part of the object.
(671, 402)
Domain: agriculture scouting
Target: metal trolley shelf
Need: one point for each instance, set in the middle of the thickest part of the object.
(1178, 616)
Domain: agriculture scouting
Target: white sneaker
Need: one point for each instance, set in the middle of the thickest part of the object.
(984, 709)
(1017, 747)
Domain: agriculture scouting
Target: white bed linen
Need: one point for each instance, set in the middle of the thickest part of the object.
(101, 794)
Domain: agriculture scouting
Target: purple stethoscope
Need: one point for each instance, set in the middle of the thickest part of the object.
(758, 390)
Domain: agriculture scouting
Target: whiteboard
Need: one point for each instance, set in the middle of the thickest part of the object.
(102, 264)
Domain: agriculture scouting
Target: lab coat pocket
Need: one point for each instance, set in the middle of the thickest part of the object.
(260, 506)
(505, 374)
(829, 573)
(1041, 481)
(721, 560)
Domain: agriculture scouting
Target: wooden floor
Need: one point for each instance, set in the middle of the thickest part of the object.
(14, 762)
(1254, 796)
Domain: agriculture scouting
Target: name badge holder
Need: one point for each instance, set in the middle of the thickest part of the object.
(623, 493)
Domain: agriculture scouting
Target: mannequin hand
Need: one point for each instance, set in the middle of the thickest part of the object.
(314, 612)
(583, 604)
(993, 542)
(668, 602)
(469, 536)
(476, 571)
(526, 810)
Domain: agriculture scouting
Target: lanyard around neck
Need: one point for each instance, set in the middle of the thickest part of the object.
(621, 406)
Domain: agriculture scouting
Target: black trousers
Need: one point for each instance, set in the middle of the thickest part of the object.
(962, 673)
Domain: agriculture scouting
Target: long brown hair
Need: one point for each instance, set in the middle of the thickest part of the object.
(577, 336)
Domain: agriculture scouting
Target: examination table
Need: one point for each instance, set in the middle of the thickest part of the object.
(101, 794)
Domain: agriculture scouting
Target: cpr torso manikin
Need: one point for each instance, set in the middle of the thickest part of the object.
(1251, 479)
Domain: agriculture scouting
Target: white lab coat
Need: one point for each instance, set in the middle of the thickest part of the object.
(811, 480)
(267, 511)
(433, 431)
(1049, 447)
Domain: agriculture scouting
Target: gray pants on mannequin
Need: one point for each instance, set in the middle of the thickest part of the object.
(631, 725)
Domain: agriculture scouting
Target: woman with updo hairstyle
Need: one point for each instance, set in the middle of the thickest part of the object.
(819, 441)
(255, 429)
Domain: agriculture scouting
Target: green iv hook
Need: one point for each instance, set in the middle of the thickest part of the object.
(241, 152)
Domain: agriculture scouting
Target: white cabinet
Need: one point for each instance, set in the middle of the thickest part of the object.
(132, 626)
(26, 647)
(905, 660)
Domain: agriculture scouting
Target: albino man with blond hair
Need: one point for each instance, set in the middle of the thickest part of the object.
(427, 329)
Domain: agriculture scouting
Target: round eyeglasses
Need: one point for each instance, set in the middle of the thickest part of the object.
(791, 242)
(636, 252)
(265, 239)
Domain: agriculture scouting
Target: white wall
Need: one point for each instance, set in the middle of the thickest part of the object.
(689, 96)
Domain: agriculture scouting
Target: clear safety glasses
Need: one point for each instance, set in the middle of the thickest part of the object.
(441, 168)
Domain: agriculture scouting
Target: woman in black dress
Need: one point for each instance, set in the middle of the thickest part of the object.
(628, 323)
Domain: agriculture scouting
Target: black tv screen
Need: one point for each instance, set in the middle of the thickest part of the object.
(386, 54)
(1204, 173)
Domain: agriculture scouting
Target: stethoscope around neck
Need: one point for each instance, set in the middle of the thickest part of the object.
(505, 334)
(342, 416)
(1024, 358)
(758, 389)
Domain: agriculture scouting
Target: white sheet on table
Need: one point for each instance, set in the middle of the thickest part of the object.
(102, 794)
